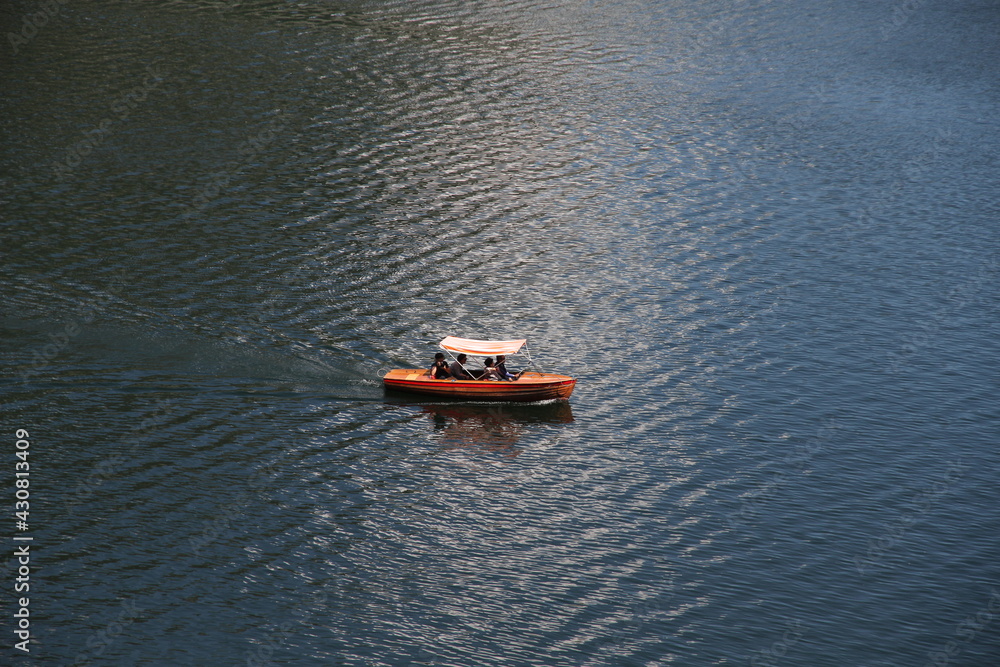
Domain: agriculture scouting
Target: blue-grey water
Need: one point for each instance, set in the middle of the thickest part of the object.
(763, 235)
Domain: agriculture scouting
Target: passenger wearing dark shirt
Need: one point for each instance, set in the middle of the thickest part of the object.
(501, 368)
(439, 369)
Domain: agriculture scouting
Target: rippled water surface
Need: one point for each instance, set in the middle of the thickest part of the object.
(761, 234)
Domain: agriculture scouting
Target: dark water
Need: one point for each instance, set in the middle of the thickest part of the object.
(763, 235)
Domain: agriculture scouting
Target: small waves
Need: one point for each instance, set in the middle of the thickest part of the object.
(716, 218)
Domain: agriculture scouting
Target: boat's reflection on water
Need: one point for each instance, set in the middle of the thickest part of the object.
(496, 427)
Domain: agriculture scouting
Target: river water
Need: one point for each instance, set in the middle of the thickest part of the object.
(762, 234)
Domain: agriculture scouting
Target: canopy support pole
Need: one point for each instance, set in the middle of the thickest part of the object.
(531, 362)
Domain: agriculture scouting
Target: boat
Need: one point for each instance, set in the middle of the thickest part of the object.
(530, 385)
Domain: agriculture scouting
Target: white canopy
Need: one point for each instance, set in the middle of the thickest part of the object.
(482, 347)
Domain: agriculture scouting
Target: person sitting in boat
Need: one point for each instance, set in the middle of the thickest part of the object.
(458, 368)
(489, 371)
(439, 369)
(501, 368)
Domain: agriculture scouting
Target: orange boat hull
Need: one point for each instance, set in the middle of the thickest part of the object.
(531, 386)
